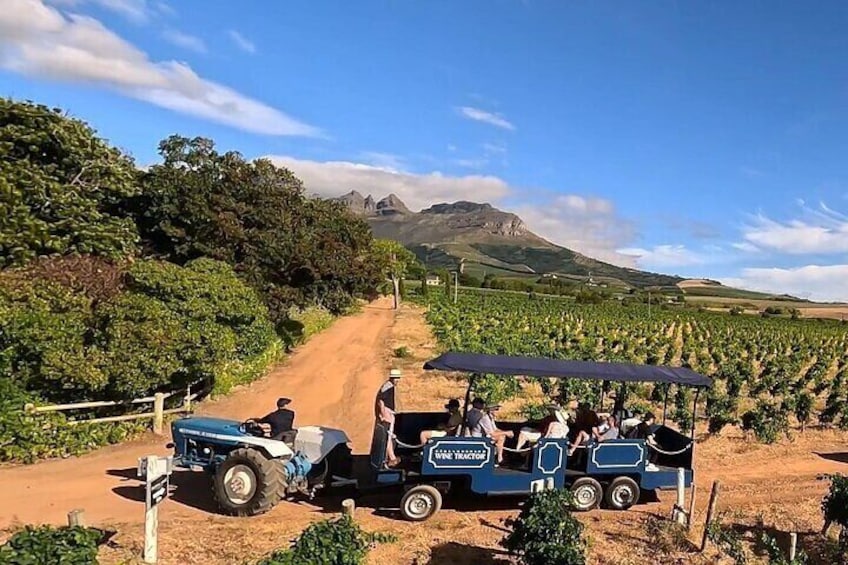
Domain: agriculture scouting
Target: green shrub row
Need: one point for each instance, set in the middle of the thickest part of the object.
(45, 544)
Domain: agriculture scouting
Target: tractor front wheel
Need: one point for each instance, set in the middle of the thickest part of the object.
(248, 483)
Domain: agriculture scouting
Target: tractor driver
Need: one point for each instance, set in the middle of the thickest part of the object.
(280, 422)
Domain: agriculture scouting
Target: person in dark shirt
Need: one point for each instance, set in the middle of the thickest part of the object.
(384, 411)
(643, 429)
(280, 421)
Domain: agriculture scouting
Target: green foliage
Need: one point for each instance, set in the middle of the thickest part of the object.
(727, 540)
(776, 555)
(835, 502)
(45, 545)
(255, 217)
(24, 437)
(495, 389)
(534, 411)
(767, 420)
(803, 407)
(61, 187)
(402, 352)
(545, 532)
(329, 542)
(721, 408)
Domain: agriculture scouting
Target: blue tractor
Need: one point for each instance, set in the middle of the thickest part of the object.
(251, 473)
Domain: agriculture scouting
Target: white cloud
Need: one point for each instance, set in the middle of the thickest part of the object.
(588, 225)
(138, 11)
(816, 282)
(334, 178)
(384, 160)
(184, 40)
(242, 42)
(821, 230)
(494, 149)
(664, 256)
(490, 118)
(40, 41)
(470, 163)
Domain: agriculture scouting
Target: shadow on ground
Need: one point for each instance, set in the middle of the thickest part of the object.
(189, 488)
(838, 457)
(452, 553)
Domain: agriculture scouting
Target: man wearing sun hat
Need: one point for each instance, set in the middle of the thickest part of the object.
(384, 410)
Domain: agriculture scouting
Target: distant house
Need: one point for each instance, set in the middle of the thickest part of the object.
(433, 280)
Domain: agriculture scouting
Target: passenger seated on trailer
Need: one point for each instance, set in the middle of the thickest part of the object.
(554, 425)
(451, 427)
(611, 431)
(487, 424)
(628, 424)
(474, 417)
(643, 431)
(584, 437)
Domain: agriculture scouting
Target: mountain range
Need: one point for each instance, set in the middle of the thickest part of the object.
(486, 239)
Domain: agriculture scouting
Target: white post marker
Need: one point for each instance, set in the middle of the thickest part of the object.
(679, 513)
(156, 472)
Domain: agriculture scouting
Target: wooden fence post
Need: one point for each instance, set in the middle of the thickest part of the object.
(691, 516)
(187, 403)
(158, 413)
(710, 512)
(793, 546)
(76, 518)
(348, 507)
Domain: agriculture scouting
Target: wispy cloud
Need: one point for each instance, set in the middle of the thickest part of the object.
(816, 282)
(242, 42)
(821, 230)
(471, 163)
(138, 11)
(388, 161)
(664, 256)
(40, 41)
(490, 118)
(184, 40)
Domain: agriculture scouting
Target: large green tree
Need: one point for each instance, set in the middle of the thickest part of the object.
(256, 217)
(394, 261)
(61, 187)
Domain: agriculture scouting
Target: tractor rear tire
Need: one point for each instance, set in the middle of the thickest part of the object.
(420, 503)
(622, 493)
(588, 494)
(247, 483)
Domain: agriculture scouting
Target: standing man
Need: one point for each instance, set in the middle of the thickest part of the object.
(384, 410)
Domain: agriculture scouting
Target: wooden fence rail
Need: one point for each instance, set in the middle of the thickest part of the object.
(158, 401)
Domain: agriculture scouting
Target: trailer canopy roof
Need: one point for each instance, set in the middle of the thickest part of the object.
(565, 369)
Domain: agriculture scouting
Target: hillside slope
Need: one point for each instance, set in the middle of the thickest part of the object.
(446, 233)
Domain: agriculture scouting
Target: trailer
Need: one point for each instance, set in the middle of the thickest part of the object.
(613, 472)
(252, 473)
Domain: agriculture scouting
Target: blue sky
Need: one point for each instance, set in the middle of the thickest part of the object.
(701, 139)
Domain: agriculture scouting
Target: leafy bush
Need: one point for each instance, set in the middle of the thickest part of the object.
(727, 540)
(767, 421)
(25, 437)
(835, 503)
(803, 408)
(60, 187)
(776, 556)
(329, 542)
(46, 544)
(668, 536)
(402, 352)
(545, 532)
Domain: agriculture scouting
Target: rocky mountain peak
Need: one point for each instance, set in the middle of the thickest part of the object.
(391, 205)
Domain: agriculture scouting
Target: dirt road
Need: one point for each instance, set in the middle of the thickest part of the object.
(332, 380)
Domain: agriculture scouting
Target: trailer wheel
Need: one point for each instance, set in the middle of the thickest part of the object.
(248, 483)
(588, 494)
(622, 493)
(420, 502)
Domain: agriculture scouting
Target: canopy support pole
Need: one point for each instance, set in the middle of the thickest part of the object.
(695, 411)
(462, 428)
(665, 402)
